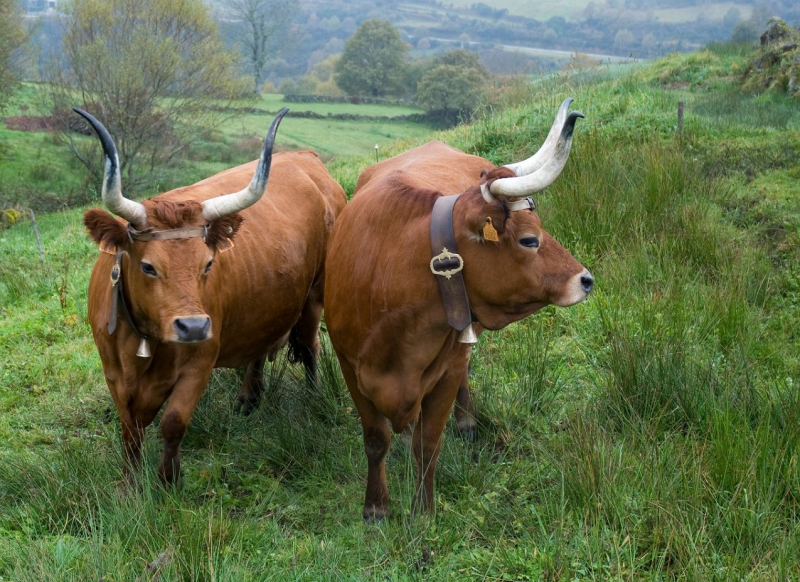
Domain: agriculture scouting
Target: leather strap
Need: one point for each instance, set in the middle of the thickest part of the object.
(447, 264)
(118, 300)
(171, 234)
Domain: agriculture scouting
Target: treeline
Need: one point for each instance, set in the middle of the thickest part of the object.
(308, 33)
(616, 27)
(375, 64)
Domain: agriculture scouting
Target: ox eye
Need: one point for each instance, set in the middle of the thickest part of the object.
(148, 269)
(531, 242)
(208, 266)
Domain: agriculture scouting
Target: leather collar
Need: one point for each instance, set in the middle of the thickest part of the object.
(447, 264)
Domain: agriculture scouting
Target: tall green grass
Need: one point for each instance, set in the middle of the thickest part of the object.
(650, 433)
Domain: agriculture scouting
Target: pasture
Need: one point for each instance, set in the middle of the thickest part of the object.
(572, 9)
(650, 433)
(39, 170)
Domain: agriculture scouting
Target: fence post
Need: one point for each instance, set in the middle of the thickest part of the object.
(680, 118)
(38, 240)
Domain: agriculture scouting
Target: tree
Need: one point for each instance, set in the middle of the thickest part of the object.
(746, 31)
(732, 18)
(450, 91)
(624, 39)
(12, 35)
(649, 43)
(373, 62)
(266, 24)
(148, 70)
(460, 58)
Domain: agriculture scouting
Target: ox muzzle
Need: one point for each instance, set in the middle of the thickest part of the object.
(193, 329)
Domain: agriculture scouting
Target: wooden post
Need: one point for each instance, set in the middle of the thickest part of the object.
(38, 240)
(680, 118)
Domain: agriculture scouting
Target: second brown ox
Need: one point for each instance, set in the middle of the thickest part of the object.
(217, 274)
(400, 357)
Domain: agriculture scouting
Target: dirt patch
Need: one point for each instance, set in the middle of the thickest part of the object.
(30, 123)
(33, 123)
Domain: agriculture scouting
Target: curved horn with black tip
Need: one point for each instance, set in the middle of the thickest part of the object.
(230, 203)
(523, 186)
(538, 159)
(131, 211)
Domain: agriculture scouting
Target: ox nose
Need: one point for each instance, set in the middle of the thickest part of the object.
(587, 282)
(192, 329)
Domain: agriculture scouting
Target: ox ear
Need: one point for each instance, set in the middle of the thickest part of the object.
(480, 214)
(221, 232)
(108, 232)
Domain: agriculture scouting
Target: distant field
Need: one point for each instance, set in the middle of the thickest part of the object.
(40, 166)
(333, 137)
(571, 9)
(709, 11)
(275, 102)
(330, 137)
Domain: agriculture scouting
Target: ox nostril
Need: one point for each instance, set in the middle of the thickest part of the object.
(587, 282)
(192, 329)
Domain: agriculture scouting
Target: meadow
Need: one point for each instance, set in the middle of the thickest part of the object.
(572, 9)
(650, 433)
(38, 169)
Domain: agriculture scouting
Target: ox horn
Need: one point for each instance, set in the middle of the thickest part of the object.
(522, 186)
(538, 159)
(230, 203)
(131, 211)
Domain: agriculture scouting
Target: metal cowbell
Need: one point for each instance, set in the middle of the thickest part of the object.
(468, 335)
(144, 349)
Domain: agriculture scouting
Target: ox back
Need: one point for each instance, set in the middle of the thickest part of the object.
(402, 361)
(259, 290)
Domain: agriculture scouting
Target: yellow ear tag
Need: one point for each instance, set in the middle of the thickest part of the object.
(489, 233)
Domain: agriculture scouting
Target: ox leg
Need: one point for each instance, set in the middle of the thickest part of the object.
(253, 386)
(427, 439)
(304, 339)
(465, 411)
(377, 438)
(182, 403)
(137, 409)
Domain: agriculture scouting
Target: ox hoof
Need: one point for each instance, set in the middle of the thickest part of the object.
(469, 432)
(246, 407)
(374, 514)
(174, 484)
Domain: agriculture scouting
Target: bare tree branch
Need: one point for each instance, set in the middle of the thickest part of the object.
(266, 25)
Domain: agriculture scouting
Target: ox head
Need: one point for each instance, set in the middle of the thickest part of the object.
(513, 266)
(167, 248)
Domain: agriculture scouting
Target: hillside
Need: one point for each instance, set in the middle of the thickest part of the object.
(511, 37)
(642, 28)
(650, 433)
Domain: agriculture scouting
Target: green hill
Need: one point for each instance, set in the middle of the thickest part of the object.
(650, 433)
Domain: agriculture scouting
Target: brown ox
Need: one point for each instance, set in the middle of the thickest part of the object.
(400, 357)
(208, 279)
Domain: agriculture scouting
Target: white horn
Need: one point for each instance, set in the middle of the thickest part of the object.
(230, 203)
(130, 210)
(523, 186)
(538, 159)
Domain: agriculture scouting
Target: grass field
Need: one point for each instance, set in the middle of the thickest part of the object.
(572, 9)
(39, 170)
(331, 137)
(650, 433)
